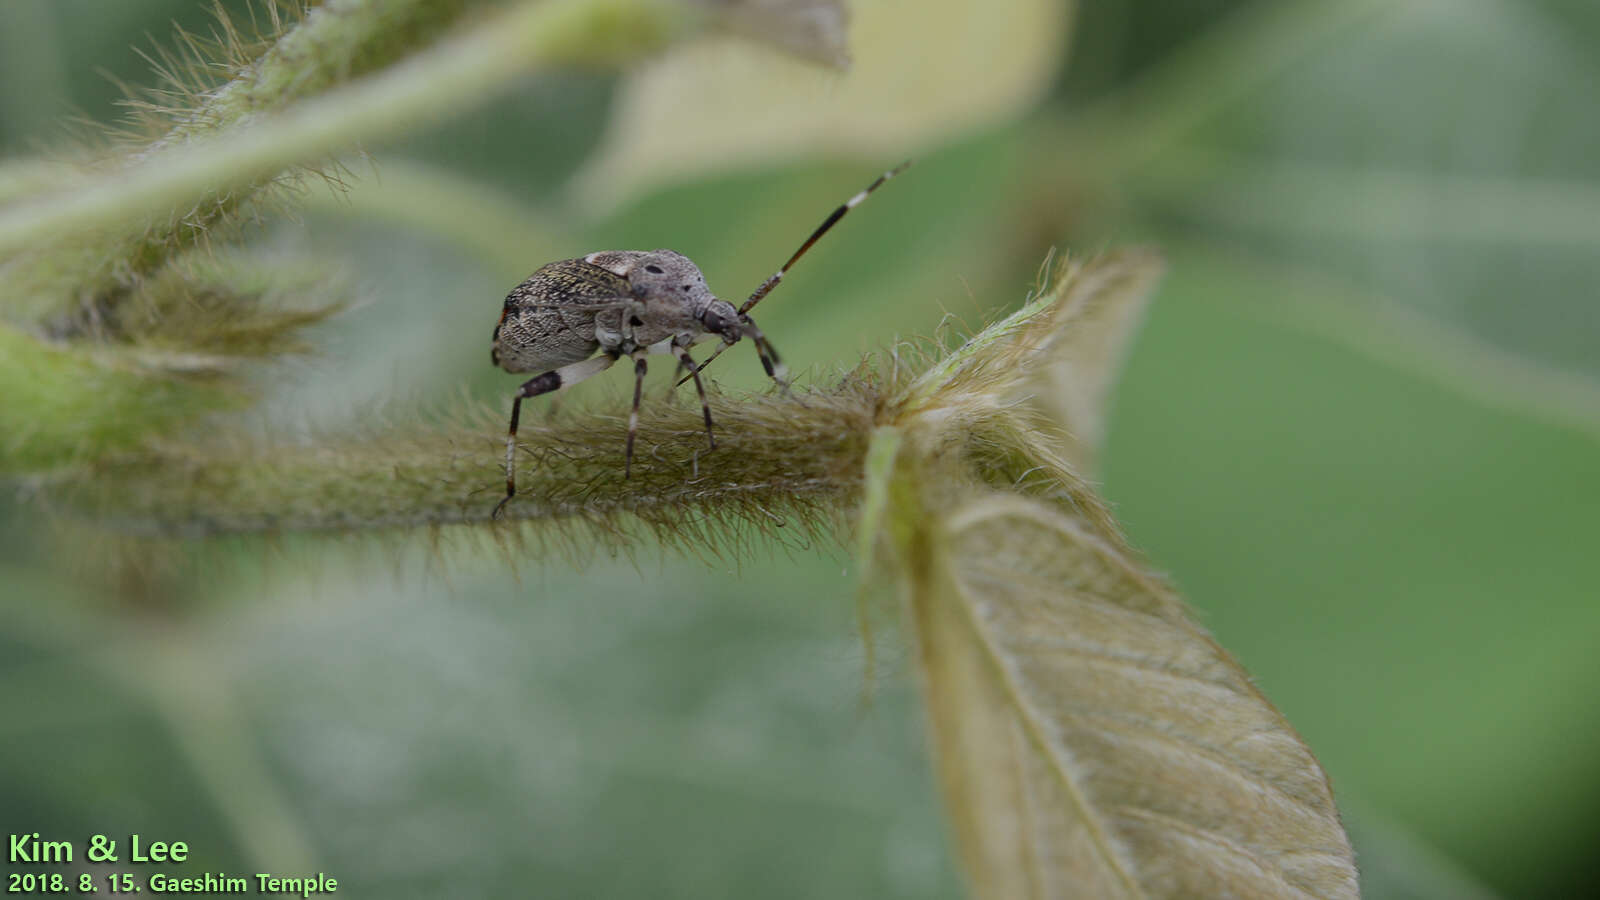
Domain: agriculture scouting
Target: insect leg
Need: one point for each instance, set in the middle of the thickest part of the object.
(687, 361)
(639, 367)
(533, 387)
(714, 354)
(769, 356)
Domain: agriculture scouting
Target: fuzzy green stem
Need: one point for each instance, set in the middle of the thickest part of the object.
(424, 88)
(885, 448)
(777, 460)
(338, 40)
(95, 263)
(879, 473)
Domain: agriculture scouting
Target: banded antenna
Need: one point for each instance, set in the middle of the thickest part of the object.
(828, 223)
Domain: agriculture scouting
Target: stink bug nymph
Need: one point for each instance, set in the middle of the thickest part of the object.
(576, 317)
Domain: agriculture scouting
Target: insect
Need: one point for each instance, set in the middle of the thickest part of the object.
(631, 303)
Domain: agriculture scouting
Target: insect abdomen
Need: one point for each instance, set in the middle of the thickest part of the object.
(536, 333)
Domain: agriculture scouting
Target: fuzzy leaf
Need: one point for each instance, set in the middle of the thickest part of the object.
(1092, 740)
(1101, 312)
(921, 75)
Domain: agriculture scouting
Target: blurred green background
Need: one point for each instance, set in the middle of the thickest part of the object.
(1359, 429)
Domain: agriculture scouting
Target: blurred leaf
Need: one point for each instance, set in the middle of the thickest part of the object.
(1387, 329)
(922, 75)
(513, 736)
(1218, 69)
(1437, 157)
(1371, 203)
(32, 75)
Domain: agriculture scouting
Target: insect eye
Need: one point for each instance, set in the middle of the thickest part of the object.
(653, 270)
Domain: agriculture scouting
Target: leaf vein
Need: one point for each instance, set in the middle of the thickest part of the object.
(1219, 843)
(1034, 724)
(1134, 728)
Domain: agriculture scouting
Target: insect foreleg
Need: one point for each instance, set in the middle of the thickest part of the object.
(769, 357)
(554, 379)
(714, 354)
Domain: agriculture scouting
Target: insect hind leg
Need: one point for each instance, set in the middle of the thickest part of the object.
(553, 380)
(639, 369)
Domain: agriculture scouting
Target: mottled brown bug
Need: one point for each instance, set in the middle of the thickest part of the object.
(627, 303)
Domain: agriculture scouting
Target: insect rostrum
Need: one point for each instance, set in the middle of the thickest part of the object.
(574, 318)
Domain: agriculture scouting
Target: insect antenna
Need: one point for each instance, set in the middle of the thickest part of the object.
(832, 220)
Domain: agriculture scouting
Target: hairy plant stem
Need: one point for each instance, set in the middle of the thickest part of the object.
(778, 460)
